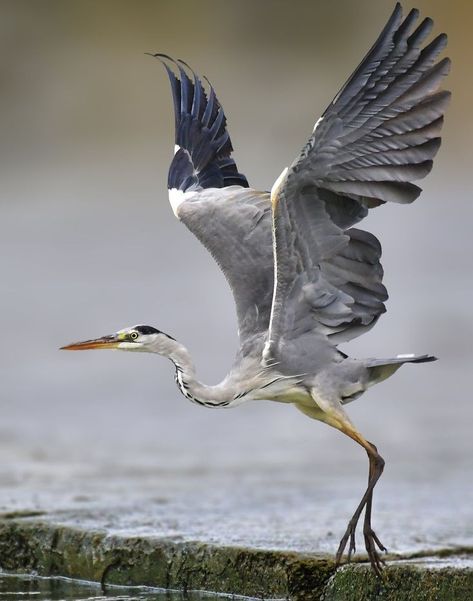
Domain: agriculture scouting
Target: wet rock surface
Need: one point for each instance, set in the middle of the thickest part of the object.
(263, 535)
(31, 545)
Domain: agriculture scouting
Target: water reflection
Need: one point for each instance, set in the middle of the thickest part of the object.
(16, 587)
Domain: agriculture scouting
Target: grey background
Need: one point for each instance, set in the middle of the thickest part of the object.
(90, 245)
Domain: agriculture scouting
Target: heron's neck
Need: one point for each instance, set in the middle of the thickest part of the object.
(220, 395)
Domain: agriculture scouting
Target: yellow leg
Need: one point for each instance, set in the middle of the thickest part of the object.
(334, 415)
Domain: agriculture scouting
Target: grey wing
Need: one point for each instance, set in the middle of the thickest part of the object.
(328, 281)
(213, 200)
(234, 224)
(379, 134)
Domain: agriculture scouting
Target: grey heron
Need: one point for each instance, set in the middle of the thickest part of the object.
(304, 279)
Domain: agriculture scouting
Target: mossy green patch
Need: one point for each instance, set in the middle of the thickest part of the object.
(55, 550)
(401, 582)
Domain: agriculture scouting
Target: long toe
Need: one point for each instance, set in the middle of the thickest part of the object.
(349, 535)
(341, 550)
(371, 541)
(369, 533)
(352, 547)
(381, 547)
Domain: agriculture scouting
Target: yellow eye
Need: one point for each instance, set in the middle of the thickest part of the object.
(134, 335)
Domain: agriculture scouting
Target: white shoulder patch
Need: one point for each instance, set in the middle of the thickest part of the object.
(406, 356)
(177, 148)
(176, 198)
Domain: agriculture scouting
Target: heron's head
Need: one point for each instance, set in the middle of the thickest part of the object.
(135, 338)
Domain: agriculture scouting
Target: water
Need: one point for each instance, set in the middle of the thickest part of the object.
(20, 587)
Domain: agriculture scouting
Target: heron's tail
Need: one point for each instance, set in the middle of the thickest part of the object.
(380, 369)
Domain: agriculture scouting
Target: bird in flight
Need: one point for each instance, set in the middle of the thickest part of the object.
(304, 279)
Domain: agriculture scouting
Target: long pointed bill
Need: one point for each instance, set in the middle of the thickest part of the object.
(99, 343)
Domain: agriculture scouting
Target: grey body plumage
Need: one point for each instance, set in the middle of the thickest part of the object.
(304, 279)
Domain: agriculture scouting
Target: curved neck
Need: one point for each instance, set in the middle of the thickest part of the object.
(220, 395)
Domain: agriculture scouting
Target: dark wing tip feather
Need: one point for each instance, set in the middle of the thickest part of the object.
(351, 87)
(203, 159)
(424, 359)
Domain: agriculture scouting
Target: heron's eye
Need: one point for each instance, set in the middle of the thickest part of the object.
(134, 335)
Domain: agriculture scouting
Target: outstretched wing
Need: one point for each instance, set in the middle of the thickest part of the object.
(213, 200)
(379, 134)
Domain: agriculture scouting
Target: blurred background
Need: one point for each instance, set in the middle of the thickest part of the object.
(90, 245)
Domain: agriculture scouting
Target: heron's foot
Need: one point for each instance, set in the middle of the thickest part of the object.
(348, 536)
(371, 542)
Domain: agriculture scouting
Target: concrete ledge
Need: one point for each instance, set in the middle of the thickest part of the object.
(29, 544)
(57, 550)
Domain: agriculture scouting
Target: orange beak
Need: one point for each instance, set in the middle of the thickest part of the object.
(99, 343)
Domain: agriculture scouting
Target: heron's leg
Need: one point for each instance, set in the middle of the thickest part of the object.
(370, 536)
(371, 540)
(332, 413)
